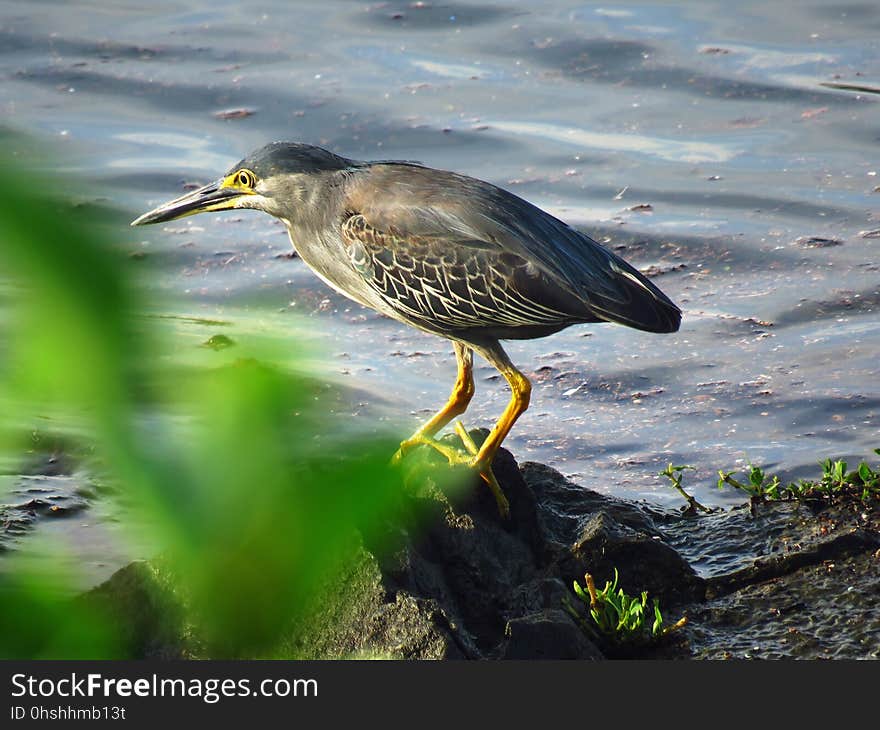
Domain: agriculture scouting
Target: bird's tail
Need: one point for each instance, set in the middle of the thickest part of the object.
(644, 306)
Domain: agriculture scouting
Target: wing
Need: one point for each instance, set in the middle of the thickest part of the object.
(451, 285)
(422, 203)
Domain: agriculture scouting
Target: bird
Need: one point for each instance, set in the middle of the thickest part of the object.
(444, 252)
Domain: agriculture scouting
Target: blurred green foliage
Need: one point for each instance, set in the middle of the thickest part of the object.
(252, 511)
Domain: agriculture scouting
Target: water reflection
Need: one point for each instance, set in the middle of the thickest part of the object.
(693, 152)
(697, 139)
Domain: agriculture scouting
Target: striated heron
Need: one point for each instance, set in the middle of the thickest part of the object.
(443, 252)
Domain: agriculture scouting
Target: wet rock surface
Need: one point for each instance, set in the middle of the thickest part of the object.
(49, 487)
(457, 582)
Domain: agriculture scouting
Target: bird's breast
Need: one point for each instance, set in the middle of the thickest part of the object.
(326, 256)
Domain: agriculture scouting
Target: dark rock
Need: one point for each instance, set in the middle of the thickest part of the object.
(450, 579)
(822, 611)
(564, 506)
(218, 342)
(787, 580)
(143, 604)
(367, 620)
(453, 581)
(584, 531)
(547, 634)
(836, 547)
(37, 497)
(817, 242)
(649, 563)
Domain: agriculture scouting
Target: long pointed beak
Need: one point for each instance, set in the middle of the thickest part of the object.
(210, 197)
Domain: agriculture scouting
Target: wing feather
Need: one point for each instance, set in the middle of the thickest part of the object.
(581, 277)
(448, 287)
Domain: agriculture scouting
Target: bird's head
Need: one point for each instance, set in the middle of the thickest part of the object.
(275, 179)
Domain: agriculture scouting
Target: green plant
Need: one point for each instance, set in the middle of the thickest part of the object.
(624, 618)
(836, 481)
(758, 485)
(674, 474)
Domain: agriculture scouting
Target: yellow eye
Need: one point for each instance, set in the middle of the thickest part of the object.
(245, 178)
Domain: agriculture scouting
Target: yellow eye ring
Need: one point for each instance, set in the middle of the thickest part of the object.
(246, 178)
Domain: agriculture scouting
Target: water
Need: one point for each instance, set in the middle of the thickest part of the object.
(730, 149)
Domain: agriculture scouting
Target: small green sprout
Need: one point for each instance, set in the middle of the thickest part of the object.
(674, 475)
(758, 485)
(625, 618)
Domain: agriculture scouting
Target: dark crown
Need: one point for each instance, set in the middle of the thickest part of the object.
(291, 157)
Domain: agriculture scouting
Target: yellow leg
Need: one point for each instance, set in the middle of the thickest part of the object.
(520, 394)
(459, 399)
(478, 459)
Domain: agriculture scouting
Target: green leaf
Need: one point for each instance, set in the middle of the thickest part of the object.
(756, 476)
(658, 619)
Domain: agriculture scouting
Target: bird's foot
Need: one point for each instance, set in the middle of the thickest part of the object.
(417, 439)
(457, 457)
(453, 455)
(466, 438)
(420, 438)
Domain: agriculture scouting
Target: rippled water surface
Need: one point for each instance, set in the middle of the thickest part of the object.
(728, 149)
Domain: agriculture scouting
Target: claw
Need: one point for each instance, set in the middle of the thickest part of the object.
(466, 438)
(477, 459)
(456, 457)
(494, 487)
(402, 451)
(453, 455)
(485, 471)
